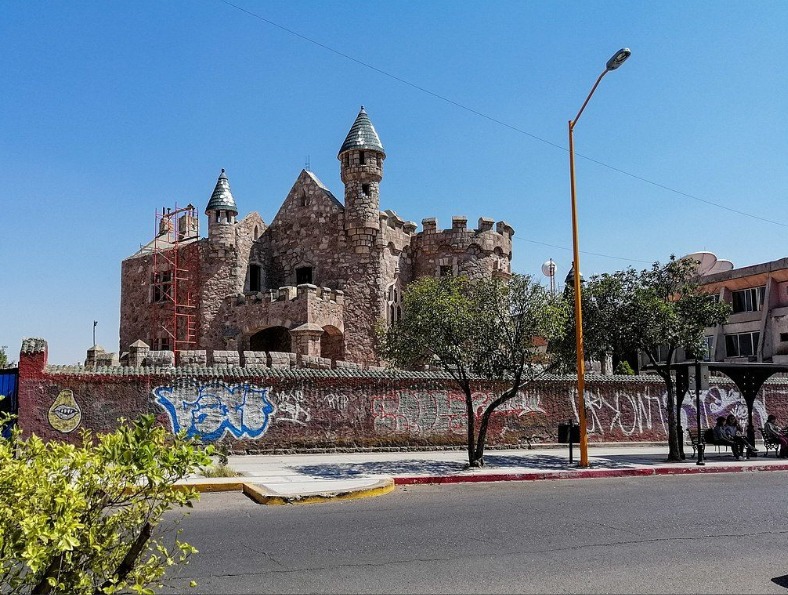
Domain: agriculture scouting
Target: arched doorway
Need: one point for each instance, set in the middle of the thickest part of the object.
(332, 344)
(275, 338)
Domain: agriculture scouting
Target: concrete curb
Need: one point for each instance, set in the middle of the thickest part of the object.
(584, 474)
(261, 495)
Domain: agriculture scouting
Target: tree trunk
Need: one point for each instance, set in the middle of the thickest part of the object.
(673, 442)
(479, 454)
(471, 415)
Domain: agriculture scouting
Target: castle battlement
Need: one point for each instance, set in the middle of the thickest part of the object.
(459, 235)
(394, 221)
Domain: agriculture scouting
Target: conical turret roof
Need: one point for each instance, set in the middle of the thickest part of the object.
(362, 135)
(222, 199)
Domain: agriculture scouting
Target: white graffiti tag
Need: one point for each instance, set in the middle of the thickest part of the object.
(289, 408)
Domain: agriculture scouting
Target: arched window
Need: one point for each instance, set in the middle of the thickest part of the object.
(393, 303)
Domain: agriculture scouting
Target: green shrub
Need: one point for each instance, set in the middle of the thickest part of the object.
(81, 519)
(624, 368)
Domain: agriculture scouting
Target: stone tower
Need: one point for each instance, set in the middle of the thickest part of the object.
(221, 212)
(361, 158)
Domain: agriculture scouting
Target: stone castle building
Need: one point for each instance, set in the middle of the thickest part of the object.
(313, 283)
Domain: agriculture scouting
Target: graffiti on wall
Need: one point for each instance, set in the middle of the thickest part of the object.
(64, 415)
(623, 412)
(212, 409)
(720, 402)
(422, 413)
(336, 401)
(627, 414)
(290, 407)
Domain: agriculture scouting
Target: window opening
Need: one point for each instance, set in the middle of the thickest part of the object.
(254, 277)
(748, 300)
(303, 275)
(783, 337)
(393, 303)
(361, 158)
(161, 286)
(742, 344)
(162, 344)
(365, 189)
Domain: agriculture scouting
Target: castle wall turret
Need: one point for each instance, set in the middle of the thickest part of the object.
(361, 158)
(222, 213)
(479, 252)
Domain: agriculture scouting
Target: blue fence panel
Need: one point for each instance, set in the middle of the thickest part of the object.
(8, 390)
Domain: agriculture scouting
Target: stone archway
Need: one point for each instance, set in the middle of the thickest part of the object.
(274, 338)
(332, 344)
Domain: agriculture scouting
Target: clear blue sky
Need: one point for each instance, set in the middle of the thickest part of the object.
(111, 110)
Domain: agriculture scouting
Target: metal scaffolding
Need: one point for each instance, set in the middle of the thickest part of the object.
(173, 280)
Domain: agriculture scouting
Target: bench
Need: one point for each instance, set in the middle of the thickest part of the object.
(769, 442)
(708, 440)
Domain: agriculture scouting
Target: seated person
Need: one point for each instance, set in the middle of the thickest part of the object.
(721, 437)
(776, 433)
(736, 434)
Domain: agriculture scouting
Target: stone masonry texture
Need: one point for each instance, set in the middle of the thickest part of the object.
(249, 285)
(258, 409)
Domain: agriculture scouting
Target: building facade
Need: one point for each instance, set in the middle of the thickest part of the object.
(314, 282)
(757, 329)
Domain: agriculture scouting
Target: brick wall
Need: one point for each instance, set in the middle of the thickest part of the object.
(258, 409)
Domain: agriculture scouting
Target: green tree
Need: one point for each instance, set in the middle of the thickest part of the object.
(603, 298)
(656, 312)
(474, 329)
(81, 519)
(3, 357)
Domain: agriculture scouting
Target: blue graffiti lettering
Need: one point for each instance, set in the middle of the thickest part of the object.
(212, 409)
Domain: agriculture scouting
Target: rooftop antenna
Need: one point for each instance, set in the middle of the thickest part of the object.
(95, 322)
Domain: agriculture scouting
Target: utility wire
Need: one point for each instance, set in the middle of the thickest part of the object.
(497, 121)
(583, 251)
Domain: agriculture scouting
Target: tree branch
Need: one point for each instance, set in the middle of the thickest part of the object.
(127, 564)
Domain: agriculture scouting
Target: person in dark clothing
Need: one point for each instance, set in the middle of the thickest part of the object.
(721, 436)
(736, 434)
(775, 432)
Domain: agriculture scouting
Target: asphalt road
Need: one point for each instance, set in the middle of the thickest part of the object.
(721, 533)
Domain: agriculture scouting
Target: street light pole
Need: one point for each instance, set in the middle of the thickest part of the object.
(617, 60)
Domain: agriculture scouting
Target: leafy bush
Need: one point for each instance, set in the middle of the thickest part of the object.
(623, 368)
(81, 519)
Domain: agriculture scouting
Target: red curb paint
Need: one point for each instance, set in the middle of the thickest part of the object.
(583, 474)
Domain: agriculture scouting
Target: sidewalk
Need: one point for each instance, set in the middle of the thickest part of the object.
(283, 479)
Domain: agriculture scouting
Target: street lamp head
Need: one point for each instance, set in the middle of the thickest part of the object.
(618, 59)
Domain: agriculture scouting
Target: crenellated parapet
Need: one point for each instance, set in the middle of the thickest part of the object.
(305, 291)
(395, 231)
(484, 250)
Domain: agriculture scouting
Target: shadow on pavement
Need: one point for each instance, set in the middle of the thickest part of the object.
(492, 463)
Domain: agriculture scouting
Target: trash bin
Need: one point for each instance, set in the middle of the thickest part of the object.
(564, 433)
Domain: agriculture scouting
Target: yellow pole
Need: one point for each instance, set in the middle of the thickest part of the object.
(581, 405)
(617, 60)
(581, 364)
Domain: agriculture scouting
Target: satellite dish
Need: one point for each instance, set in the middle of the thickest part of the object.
(721, 266)
(706, 261)
(549, 269)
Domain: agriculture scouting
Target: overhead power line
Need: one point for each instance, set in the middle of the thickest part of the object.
(496, 120)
